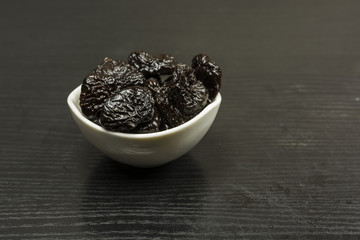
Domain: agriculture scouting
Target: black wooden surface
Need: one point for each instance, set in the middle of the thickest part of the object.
(281, 160)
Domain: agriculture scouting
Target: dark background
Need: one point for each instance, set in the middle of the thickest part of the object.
(281, 160)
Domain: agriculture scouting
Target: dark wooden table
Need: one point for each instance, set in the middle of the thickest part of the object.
(281, 161)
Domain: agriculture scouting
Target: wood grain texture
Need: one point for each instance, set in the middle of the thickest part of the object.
(281, 160)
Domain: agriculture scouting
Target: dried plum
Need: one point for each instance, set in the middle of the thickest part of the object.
(189, 99)
(166, 63)
(151, 126)
(181, 97)
(187, 93)
(109, 67)
(132, 77)
(208, 73)
(107, 78)
(94, 92)
(98, 86)
(127, 109)
(171, 115)
(184, 74)
(152, 65)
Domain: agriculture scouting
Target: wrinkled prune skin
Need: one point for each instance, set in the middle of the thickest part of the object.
(119, 72)
(127, 109)
(164, 125)
(132, 77)
(208, 73)
(187, 93)
(183, 73)
(94, 92)
(98, 86)
(151, 126)
(106, 79)
(181, 97)
(110, 68)
(153, 84)
(189, 99)
(152, 65)
(172, 117)
(166, 63)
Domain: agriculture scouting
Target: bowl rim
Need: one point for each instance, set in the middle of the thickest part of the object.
(75, 94)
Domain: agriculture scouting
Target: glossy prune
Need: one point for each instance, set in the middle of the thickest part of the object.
(110, 68)
(94, 92)
(127, 109)
(106, 79)
(190, 100)
(152, 65)
(208, 73)
(99, 86)
(153, 84)
(166, 63)
(172, 117)
(183, 73)
(187, 93)
(151, 126)
(181, 97)
(132, 77)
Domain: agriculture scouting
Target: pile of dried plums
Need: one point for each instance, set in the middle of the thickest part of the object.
(148, 93)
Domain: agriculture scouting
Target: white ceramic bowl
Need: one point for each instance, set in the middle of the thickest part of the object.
(149, 149)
